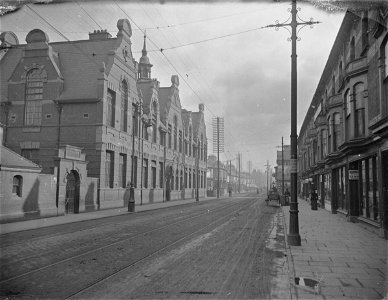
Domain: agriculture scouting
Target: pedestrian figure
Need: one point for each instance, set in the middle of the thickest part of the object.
(314, 200)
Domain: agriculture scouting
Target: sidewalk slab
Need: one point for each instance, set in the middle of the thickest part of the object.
(348, 260)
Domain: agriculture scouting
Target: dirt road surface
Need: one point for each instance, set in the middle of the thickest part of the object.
(229, 248)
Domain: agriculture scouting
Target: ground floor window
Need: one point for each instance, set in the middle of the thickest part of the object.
(17, 186)
(109, 169)
(153, 174)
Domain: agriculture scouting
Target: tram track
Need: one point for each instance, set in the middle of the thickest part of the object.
(214, 212)
(125, 236)
(166, 247)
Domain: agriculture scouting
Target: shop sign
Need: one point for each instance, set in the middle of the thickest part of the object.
(353, 174)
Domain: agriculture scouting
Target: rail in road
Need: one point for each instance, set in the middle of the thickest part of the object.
(38, 268)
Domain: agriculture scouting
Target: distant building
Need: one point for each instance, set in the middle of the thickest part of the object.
(343, 142)
(93, 97)
(283, 161)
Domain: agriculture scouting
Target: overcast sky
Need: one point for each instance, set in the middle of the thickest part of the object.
(244, 77)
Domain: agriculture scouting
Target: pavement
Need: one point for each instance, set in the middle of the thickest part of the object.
(344, 260)
(336, 259)
(84, 216)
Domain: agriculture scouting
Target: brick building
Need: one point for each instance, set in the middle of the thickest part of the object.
(93, 97)
(343, 145)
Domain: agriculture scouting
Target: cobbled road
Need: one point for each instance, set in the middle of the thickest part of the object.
(227, 248)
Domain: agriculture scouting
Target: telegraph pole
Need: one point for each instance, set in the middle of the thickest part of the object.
(218, 157)
(267, 165)
(239, 173)
(293, 237)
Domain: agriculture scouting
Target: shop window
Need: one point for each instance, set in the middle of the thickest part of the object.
(17, 186)
(33, 98)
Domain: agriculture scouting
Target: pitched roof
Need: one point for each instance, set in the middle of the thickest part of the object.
(11, 159)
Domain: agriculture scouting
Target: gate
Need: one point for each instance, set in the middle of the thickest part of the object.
(72, 192)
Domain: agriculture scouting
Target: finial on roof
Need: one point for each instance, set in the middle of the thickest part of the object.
(144, 51)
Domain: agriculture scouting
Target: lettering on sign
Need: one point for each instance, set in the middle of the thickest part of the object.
(353, 174)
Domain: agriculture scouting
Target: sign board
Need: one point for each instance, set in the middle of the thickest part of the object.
(353, 175)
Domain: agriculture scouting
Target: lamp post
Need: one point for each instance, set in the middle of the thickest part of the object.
(131, 203)
(197, 181)
(293, 237)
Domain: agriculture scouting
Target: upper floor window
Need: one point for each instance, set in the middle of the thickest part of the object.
(386, 58)
(33, 98)
(154, 122)
(111, 104)
(31, 154)
(336, 131)
(135, 119)
(365, 31)
(359, 117)
(169, 133)
(175, 132)
(352, 50)
(124, 106)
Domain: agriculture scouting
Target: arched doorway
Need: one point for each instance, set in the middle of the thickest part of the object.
(72, 192)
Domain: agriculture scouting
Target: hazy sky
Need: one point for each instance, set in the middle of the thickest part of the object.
(244, 77)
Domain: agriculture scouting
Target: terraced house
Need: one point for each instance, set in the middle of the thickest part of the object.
(87, 109)
(343, 145)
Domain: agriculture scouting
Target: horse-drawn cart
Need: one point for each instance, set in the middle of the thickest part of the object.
(273, 195)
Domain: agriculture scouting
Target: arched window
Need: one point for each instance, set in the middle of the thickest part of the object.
(359, 115)
(124, 106)
(17, 185)
(33, 98)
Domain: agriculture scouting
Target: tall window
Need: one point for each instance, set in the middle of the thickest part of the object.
(109, 169)
(386, 58)
(161, 174)
(122, 170)
(153, 174)
(124, 106)
(333, 85)
(169, 136)
(340, 73)
(135, 171)
(145, 173)
(180, 141)
(324, 143)
(34, 96)
(348, 111)
(154, 122)
(135, 120)
(336, 131)
(359, 117)
(175, 132)
(110, 116)
(365, 31)
(352, 52)
(330, 135)
(17, 186)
